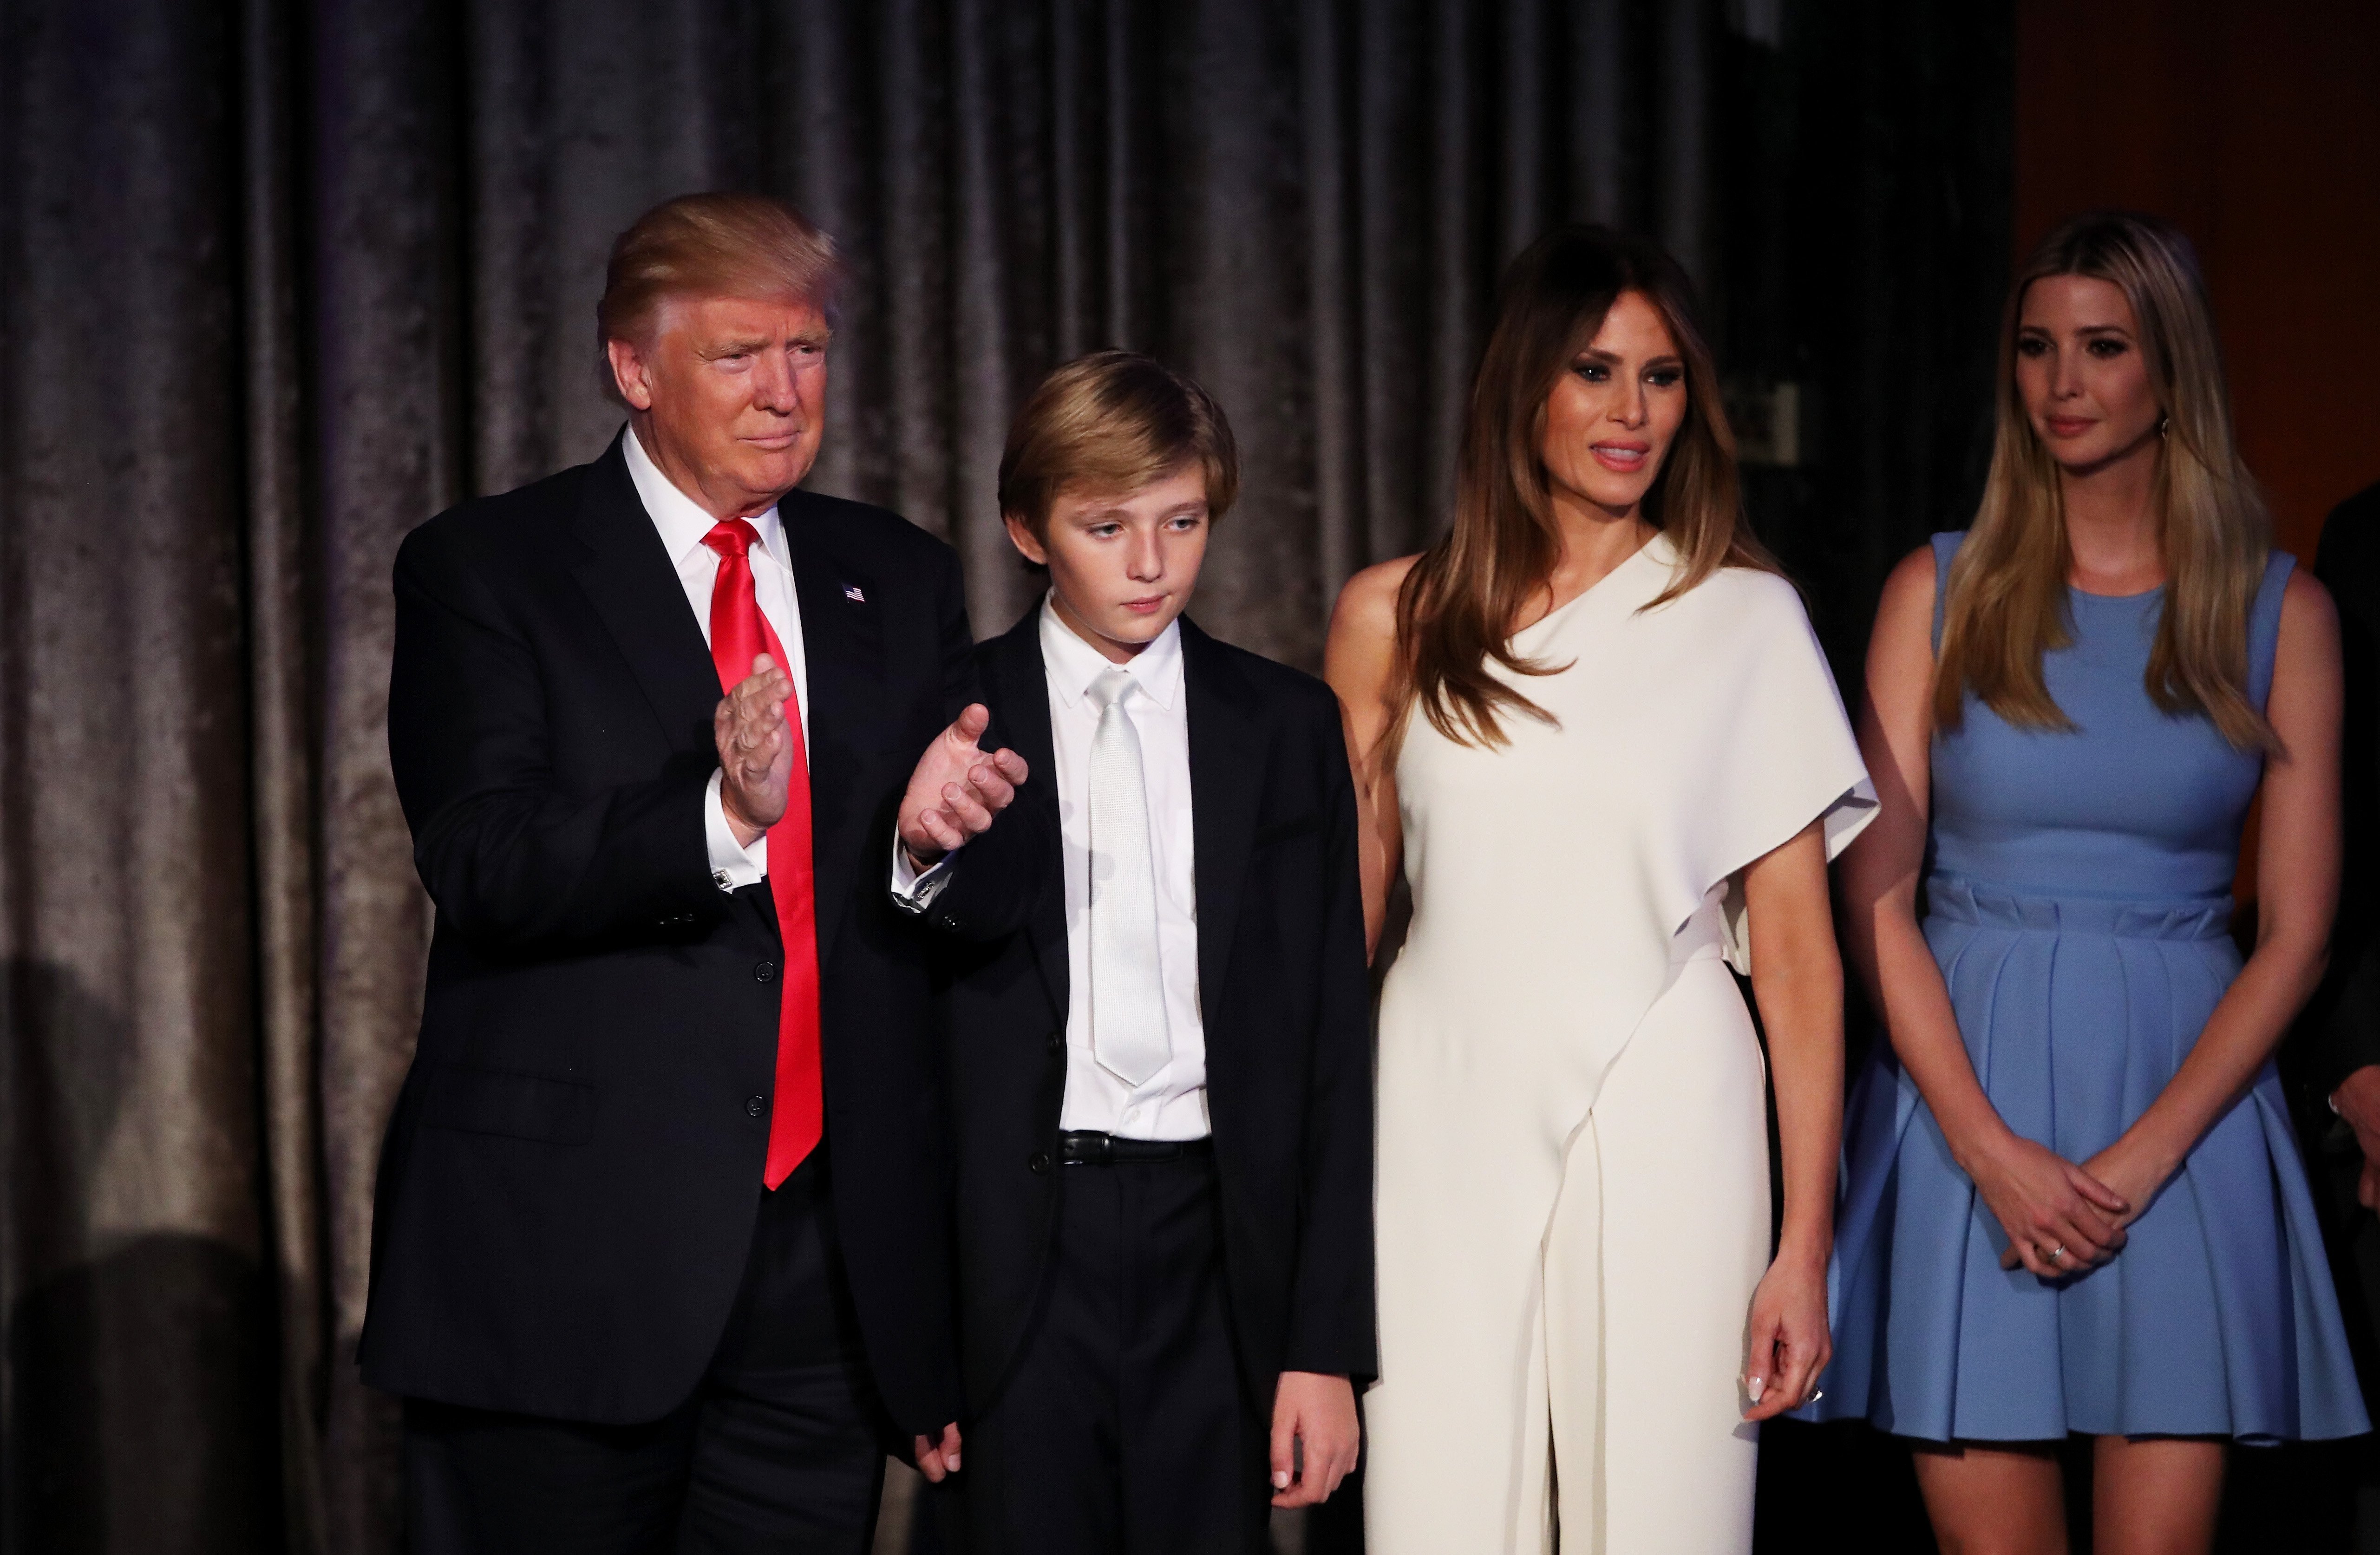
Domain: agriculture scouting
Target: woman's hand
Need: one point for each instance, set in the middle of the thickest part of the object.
(2059, 1219)
(1789, 1344)
(2134, 1172)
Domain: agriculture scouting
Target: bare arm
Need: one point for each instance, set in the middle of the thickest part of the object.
(2297, 890)
(1359, 661)
(2042, 1201)
(1797, 979)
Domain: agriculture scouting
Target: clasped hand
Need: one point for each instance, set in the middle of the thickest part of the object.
(952, 796)
(2061, 1219)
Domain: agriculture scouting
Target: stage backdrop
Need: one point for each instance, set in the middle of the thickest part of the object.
(279, 280)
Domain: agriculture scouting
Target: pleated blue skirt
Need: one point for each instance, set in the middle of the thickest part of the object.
(2216, 1319)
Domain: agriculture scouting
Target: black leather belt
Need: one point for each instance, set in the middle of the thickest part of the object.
(1084, 1146)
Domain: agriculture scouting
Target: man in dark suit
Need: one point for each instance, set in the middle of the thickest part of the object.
(1159, 1024)
(2334, 1048)
(661, 1246)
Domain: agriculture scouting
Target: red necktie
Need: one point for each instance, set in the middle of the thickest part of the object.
(738, 632)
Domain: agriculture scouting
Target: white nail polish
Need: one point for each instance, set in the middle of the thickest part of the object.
(1753, 1388)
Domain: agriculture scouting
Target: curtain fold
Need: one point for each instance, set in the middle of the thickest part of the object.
(280, 280)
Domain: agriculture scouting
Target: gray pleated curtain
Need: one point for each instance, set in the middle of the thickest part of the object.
(281, 278)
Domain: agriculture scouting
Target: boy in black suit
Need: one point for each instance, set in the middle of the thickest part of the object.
(1157, 1045)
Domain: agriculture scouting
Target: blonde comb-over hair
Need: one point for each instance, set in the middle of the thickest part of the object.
(709, 245)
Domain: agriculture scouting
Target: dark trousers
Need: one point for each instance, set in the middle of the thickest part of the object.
(781, 1448)
(1125, 1424)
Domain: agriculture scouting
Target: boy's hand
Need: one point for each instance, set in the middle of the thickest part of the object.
(1314, 1437)
(957, 790)
(935, 1459)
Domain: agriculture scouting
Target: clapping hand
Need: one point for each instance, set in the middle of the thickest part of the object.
(957, 790)
(756, 755)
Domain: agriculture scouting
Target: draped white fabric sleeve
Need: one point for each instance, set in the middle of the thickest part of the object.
(1776, 750)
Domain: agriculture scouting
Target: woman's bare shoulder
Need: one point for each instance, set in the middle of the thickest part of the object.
(2304, 597)
(1905, 607)
(1369, 598)
(1362, 645)
(2309, 618)
(1912, 576)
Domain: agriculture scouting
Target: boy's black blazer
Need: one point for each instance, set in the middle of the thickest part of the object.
(569, 1182)
(1283, 995)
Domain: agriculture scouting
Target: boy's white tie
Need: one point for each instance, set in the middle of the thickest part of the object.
(1128, 1035)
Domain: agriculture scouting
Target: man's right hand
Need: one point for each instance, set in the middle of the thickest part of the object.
(2358, 1100)
(755, 758)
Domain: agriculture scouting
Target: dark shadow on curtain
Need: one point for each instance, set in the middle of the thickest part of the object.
(142, 1406)
(141, 1381)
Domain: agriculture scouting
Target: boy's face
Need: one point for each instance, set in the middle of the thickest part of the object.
(1121, 565)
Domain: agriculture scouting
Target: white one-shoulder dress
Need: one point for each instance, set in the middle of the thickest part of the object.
(1573, 1152)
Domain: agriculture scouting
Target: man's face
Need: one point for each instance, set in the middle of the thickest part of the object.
(1121, 565)
(729, 396)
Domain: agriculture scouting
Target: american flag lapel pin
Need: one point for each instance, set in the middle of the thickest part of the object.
(852, 591)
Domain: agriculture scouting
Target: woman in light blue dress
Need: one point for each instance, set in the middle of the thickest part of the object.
(2073, 1202)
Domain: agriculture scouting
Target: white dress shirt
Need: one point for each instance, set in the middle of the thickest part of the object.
(1171, 1104)
(683, 522)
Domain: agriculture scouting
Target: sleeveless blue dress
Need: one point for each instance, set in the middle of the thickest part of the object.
(2078, 901)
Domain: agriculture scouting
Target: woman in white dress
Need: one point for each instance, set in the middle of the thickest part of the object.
(1594, 726)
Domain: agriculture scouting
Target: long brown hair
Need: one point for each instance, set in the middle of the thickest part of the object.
(1457, 605)
(2004, 603)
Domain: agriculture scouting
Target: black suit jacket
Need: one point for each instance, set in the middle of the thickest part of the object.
(2342, 1020)
(569, 1181)
(1284, 997)
(2339, 1031)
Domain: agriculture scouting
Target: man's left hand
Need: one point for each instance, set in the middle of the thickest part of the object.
(957, 790)
(2358, 1100)
(1314, 1437)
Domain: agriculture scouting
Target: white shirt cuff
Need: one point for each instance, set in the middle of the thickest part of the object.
(915, 892)
(732, 864)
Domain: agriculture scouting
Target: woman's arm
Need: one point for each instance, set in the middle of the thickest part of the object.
(1797, 979)
(1359, 661)
(2041, 1200)
(2297, 889)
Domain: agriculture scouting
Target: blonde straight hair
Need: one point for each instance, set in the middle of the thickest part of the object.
(2004, 603)
(1457, 608)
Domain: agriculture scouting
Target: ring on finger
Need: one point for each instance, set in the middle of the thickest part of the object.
(2056, 1252)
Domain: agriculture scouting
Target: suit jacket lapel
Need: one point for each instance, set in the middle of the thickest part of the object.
(1226, 782)
(629, 576)
(843, 647)
(1020, 690)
